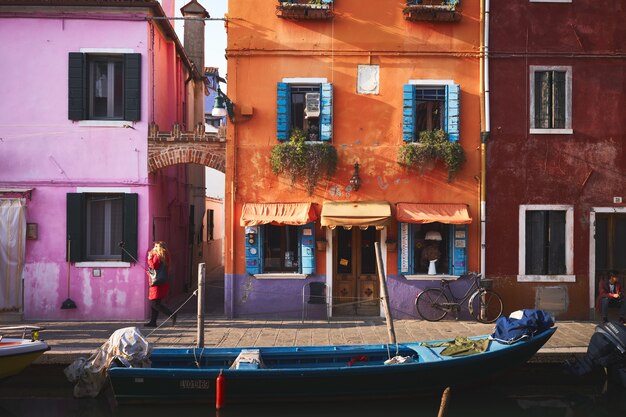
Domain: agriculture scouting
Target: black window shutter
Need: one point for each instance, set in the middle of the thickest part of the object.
(132, 86)
(77, 86)
(75, 227)
(535, 242)
(130, 227)
(556, 250)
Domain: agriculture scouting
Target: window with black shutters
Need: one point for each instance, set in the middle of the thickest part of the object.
(545, 242)
(104, 86)
(98, 222)
(550, 99)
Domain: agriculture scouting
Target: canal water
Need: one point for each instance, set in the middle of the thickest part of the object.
(541, 390)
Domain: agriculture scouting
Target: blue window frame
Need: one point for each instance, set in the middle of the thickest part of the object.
(292, 102)
(280, 249)
(416, 249)
(430, 107)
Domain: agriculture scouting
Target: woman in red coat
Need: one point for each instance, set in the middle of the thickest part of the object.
(159, 261)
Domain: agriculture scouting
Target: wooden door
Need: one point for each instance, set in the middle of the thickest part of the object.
(355, 288)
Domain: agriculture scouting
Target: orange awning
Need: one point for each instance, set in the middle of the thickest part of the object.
(355, 213)
(294, 214)
(430, 213)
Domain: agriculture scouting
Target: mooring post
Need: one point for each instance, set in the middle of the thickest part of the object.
(443, 407)
(201, 277)
(383, 285)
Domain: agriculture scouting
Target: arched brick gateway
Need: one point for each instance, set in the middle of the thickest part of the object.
(176, 147)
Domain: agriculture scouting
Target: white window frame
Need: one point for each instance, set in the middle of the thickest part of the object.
(568, 100)
(106, 123)
(103, 264)
(569, 244)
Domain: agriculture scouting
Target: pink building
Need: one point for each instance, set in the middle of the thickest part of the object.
(79, 94)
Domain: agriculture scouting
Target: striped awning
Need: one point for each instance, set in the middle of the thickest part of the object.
(293, 214)
(430, 213)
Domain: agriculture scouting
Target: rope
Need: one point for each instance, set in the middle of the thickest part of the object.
(173, 314)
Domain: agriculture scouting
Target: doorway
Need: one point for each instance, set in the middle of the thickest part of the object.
(607, 247)
(355, 285)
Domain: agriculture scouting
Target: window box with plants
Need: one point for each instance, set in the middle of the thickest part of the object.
(433, 146)
(303, 161)
(305, 9)
(432, 11)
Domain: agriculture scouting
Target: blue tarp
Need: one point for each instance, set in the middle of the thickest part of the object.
(521, 324)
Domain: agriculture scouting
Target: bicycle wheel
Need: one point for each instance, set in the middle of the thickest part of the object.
(486, 306)
(428, 304)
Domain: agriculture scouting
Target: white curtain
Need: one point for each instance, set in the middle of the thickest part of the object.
(12, 251)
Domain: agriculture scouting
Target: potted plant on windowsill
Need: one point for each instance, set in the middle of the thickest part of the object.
(433, 146)
(302, 161)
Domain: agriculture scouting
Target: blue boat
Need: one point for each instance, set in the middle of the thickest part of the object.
(314, 372)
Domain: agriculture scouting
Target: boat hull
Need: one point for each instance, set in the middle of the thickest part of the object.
(313, 373)
(17, 354)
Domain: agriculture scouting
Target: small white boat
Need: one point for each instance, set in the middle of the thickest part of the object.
(17, 353)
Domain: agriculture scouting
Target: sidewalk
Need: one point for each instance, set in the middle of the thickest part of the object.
(69, 340)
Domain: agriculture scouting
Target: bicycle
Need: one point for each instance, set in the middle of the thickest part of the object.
(483, 304)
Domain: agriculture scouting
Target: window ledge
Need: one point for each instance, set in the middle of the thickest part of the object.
(546, 278)
(426, 277)
(551, 131)
(102, 264)
(105, 123)
(277, 275)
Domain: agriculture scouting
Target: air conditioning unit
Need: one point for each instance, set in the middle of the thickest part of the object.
(312, 108)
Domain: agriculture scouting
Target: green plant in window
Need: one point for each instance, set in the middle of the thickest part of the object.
(433, 146)
(307, 162)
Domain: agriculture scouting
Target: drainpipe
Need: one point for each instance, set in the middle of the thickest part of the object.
(485, 124)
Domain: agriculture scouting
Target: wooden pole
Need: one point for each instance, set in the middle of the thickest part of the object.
(385, 297)
(201, 277)
(443, 407)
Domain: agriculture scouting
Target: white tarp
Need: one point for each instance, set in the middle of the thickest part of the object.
(12, 251)
(127, 346)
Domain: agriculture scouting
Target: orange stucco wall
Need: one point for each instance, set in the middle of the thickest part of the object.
(263, 49)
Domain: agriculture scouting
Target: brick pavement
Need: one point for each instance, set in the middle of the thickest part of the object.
(69, 340)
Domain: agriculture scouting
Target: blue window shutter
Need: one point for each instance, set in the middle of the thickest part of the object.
(405, 249)
(408, 113)
(254, 244)
(453, 111)
(283, 104)
(326, 112)
(307, 248)
(458, 249)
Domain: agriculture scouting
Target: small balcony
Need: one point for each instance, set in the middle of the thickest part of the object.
(432, 11)
(305, 9)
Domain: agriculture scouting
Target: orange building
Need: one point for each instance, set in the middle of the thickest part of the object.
(370, 79)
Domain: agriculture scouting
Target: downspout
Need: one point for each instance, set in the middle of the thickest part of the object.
(485, 125)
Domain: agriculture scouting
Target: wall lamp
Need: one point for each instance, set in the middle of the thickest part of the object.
(355, 180)
(223, 106)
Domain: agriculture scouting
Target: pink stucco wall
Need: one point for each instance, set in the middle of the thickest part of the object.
(41, 149)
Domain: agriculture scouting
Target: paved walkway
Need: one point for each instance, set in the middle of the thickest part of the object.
(69, 340)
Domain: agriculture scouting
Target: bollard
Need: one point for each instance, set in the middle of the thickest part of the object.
(443, 407)
(220, 386)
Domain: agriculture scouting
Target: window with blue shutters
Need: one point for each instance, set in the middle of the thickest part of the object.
(104, 87)
(418, 244)
(280, 249)
(307, 107)
(430, 107)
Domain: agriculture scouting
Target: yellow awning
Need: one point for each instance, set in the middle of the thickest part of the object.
(355, 213)
(430, 213)
(294, 214)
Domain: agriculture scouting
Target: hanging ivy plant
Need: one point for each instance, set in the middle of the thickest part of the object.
(307, 162)
(433, 146)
